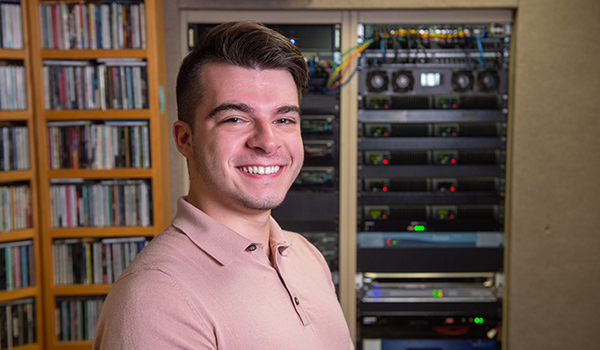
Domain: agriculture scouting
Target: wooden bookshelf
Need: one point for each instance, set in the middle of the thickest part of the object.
(21, 293)
(15, 115)
(14, 54)
(16, 175)
(153, 54)
(26, 117)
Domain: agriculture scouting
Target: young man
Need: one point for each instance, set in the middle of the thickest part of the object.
(224, 275)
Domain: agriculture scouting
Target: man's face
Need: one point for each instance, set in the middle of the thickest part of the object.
(247, 146)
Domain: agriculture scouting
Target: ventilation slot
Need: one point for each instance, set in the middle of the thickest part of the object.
(476, 185)
(407, 212)
(477, 212)
(478, 157)
(408, 185)
(479, 130)
(410, 130)
(479, 102)
(409, 157)
(410, 102)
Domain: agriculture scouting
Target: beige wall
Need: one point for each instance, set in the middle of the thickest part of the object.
(553, 264)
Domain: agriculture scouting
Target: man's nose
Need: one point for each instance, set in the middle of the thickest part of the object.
(263, 138)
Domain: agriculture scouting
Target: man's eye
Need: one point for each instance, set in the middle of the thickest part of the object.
(285, 121)
(232, 120)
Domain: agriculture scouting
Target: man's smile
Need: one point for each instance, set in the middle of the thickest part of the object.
(260, 170)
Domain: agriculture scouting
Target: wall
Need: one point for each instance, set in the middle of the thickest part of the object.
(553, 265)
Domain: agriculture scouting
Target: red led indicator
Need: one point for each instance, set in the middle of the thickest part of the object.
(386, 106)
(454, 133)
(453, 105)
(384, 216)
(385, 161)
(451, 216)
(388, 242)
(453, 161)
(385, 133)
(452, 189)
(384, 189)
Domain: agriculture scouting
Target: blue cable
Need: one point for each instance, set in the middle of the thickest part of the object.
(481, 60)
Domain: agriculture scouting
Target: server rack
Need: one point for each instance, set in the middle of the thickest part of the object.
(432, 123)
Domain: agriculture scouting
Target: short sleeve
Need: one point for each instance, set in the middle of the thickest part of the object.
(147, 309)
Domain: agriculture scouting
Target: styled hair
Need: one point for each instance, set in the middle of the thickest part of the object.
(244, 44)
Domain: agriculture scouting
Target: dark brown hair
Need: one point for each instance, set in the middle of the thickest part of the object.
(244, 44)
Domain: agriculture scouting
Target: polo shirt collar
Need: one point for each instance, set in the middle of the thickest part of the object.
(216, 239)
(279, 239)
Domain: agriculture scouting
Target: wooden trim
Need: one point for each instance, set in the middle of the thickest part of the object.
(348, 181)
(436, 16)
(101, 174)
(13, 54)
(91, 54)
(101, 232)
(75, 290)
(15, 115)
(288, 17)
(97, 114)
(22, 293)
(16, 175)
(19, 235)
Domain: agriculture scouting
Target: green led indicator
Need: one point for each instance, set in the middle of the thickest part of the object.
(375, 213)
(419, 228)
(443, 212)
(478, 320)
(437, 293)
(394, 242)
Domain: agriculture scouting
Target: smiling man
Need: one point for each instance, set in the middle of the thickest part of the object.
(224, 275)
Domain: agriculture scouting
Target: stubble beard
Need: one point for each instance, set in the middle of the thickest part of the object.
(247, 202)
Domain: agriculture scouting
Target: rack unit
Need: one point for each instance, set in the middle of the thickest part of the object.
(19, 169)
(139, 51)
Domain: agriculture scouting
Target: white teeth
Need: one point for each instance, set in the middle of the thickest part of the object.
(261, 170)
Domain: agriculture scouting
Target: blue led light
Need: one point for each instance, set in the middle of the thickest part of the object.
(375, 286)
(293, 41)
(376, 293)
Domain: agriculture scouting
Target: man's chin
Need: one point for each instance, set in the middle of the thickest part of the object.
(262, 204)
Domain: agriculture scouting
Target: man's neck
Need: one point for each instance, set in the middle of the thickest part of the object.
(254, 225)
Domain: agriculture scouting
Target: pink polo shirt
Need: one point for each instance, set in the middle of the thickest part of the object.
(200, 285)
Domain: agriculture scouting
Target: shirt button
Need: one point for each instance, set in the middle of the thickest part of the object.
(297, 301)
(252, 247)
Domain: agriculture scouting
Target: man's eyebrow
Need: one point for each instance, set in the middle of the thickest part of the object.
(241, 107)
(288, 109)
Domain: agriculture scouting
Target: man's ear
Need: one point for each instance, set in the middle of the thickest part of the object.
(182, 133)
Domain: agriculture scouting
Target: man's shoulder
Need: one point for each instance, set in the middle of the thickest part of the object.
(165, 254)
